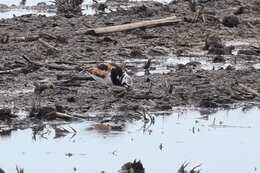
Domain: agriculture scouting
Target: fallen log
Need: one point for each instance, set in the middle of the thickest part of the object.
(130, 26)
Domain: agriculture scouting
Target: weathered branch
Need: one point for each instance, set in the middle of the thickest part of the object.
(26, 39)
(130, 26)
(46, 44)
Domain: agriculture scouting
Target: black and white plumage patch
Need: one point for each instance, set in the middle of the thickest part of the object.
(110, 74)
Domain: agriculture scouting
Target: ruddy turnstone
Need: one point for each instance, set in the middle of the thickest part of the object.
(110, 74)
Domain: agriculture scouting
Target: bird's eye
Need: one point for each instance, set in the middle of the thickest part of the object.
(125, 84)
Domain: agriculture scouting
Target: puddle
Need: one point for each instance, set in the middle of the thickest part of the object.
(242, 43)
(227, 141)
(19, 12)
(167, 64)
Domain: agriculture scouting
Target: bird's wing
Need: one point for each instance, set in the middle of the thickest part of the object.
(97, 72)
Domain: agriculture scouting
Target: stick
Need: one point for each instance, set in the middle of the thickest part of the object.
(54, 115)
(130, 26)
(30, 61)
(47, 36)
(49, 66)
(4, 25)
(250, 90)
(13, 71)
(25, 39)
(44, 43)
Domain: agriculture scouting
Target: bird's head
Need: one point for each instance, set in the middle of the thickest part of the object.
(126, 80)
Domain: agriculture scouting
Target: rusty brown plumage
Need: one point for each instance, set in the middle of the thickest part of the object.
(102, 70)
(110, 74)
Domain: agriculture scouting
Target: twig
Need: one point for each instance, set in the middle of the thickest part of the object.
(47, 36)
(183, 166)
(19, 170)
(13, 71)
(54, 115)
(46, 44)
(25, 39)
(30, 61)
(250, 90)
(195, 167)
(49, 66)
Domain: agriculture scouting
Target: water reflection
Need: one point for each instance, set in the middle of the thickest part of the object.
(218, 142)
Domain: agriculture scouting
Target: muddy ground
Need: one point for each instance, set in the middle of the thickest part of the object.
(26, 61)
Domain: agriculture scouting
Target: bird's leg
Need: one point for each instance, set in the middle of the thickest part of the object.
(147, 75)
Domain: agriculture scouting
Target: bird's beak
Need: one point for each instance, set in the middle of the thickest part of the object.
(83, 71)
(128, 87)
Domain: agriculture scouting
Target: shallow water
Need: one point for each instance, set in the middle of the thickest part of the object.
(32, 2)
(19, 12)
(87, 10)
(227, 142)
(167, 64)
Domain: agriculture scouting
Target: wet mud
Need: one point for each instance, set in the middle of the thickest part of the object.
(48, 53)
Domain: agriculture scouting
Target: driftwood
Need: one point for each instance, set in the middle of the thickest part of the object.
(49, 66)
(250, 90)
(26, 39)
(130, 26)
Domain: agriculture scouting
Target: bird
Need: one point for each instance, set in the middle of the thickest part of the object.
(110, 74)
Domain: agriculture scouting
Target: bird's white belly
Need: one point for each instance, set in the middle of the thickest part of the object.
(107, 80)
